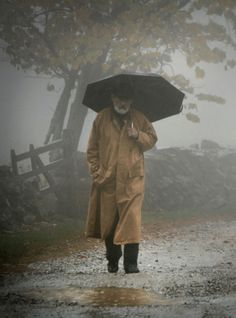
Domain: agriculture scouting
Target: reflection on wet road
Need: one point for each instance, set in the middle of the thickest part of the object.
(102, 296)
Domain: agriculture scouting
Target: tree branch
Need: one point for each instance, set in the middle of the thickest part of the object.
(43, 36)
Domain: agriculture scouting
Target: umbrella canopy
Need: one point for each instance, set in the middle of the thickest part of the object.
(154, 96)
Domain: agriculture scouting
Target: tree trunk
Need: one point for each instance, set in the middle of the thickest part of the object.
(78, 111)
(57, 121)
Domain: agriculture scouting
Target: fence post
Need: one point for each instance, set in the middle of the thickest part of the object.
(38, 163)
(33, 163)
(14, 162)
(65, 191)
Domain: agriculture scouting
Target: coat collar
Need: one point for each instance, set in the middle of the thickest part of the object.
(117, 120)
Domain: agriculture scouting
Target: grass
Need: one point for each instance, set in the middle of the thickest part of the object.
(16, 247)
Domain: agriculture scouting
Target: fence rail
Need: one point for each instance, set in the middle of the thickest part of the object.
(38, 166)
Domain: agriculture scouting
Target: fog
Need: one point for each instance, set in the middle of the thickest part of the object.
(27, 108)
(188, 212)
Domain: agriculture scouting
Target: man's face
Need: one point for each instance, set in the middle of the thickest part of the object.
(121, 106)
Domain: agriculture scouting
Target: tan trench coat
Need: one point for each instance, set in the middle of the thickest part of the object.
(116, 164)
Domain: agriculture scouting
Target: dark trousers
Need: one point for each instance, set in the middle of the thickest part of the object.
(114, 252)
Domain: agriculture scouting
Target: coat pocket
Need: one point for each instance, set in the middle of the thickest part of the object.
(137, 170)
(104, 176)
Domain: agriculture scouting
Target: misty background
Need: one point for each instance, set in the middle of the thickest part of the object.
(27, 106)
(50, 50)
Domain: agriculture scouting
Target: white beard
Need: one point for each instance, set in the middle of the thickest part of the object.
(121, 111)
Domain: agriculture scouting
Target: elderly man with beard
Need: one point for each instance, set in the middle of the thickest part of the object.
(118, 139)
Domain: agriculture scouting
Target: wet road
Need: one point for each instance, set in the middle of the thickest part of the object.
(188, 271)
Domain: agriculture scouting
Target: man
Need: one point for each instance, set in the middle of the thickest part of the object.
(119, 136)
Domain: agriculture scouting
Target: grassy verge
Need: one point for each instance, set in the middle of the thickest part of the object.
(20, 247)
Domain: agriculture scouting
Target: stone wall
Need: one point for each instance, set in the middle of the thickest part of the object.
(176, 179)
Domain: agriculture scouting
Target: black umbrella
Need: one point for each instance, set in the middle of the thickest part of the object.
(154, 96)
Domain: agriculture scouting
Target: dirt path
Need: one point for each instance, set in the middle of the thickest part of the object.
(186, 271)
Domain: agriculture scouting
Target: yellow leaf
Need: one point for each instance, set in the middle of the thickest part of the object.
(192, 117)
(211, 98)
(199, 72)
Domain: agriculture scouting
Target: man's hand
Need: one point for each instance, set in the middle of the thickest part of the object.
(132, 132)
(95, 171)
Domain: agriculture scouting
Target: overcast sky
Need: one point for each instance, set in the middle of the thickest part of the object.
(27, 107)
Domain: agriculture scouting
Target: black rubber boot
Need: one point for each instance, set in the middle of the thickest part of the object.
(113, 254)
(113, 251)
(131, 258)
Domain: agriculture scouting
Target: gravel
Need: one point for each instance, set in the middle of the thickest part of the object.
(185, 271)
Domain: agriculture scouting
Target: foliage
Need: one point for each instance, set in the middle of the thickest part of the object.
(61, 38)
(192, 117)
(211, 98)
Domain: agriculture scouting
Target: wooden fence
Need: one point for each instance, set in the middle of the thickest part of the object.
(67, 162)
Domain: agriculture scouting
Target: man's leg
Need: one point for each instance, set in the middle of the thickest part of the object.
(131, 258)
(113, 252)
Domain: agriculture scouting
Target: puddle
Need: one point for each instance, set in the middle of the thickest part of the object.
(102, 296)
